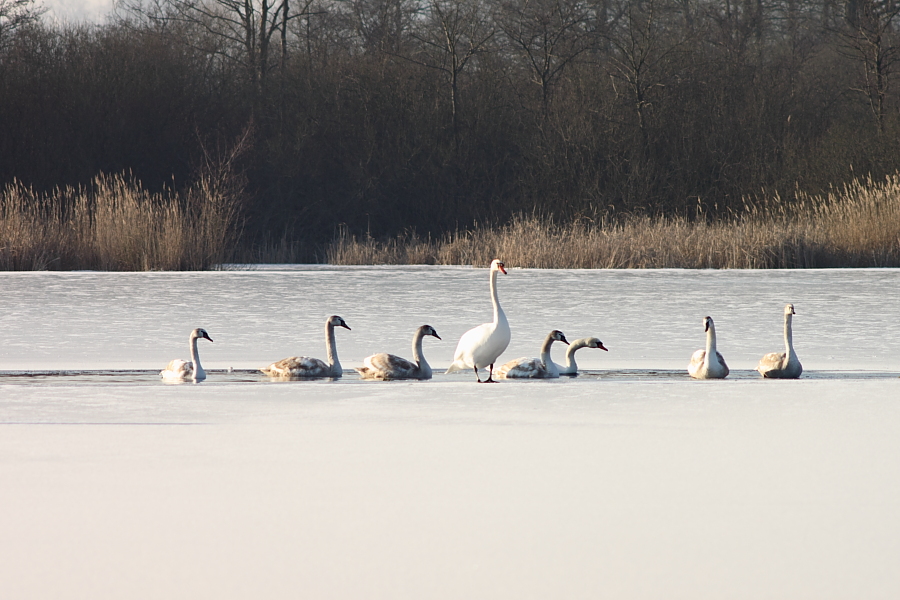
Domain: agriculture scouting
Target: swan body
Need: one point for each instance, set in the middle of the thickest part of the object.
(782, 365)
(534, 368)
(182, 370)
(385, 366)
(305, 366)
(708, 364)
(571, 367)
(480, 346)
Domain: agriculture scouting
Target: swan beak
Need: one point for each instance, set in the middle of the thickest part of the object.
(706, 326)
(502, 270)
(602, 347)
(564, 340)
(434, 333)
(345, 326)
(207, 337)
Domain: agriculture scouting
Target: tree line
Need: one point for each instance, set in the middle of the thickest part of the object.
(385, 116)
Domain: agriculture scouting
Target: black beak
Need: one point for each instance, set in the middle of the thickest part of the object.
(345, 326)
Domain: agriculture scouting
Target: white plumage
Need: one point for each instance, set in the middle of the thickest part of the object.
(571, 367)
(480, 346)
(708, 364)
(181, 370)
(782, 365)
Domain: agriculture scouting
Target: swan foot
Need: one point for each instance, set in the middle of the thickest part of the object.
(490, 378)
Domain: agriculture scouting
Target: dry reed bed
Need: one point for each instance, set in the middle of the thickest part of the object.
(854, 226)
(115, 224)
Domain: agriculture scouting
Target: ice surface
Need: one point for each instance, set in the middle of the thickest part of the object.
(631, 481)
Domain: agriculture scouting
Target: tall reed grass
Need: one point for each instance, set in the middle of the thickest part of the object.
(857, 225)
(115, 224)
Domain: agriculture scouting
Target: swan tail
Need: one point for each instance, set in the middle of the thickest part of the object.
(456, 366)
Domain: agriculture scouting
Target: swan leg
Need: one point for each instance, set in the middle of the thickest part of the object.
(490, 375)
(477, 376)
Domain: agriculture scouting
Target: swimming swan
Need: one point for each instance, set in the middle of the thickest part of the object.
(782, 365)
(534, 368)
(571, 367)
(387, 366)
(708, 364)
(181, 370)
(305, 366)
(480, 346)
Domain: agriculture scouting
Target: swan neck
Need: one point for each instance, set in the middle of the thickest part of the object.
(711, 340)
(788, 335)
(498, 312)
(545, 351)
(570, 354)
(195, 359)
(331, 348)
(418, 356)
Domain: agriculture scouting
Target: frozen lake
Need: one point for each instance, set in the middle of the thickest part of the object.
(630, 481)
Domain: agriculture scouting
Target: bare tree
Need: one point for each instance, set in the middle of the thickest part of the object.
(641, 47)
(380, 25)
(453, 32)
(549, 35)
(247, 28)
(15, 14)
(870, 37)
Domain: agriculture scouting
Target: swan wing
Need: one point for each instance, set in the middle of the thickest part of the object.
(178, 369)
(523, 368)
(298, 366)
(698, 358)
(388, 366)
(773, 361)
(724, 367)
(469, 343)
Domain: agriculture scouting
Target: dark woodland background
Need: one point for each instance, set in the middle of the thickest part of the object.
(388, 116)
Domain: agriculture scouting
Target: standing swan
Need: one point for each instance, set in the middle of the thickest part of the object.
(181, 370)
(708, 364)
(571, 367)
(480, 346)
(534, 368)
(304, 366)
(782, 365)
(387, 366)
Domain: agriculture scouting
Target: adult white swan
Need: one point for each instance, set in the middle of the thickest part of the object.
(571, 367)
(534, 368)
(480, 346)
(782, 365)
(388, 366)
(708, 364)
(305, 366)
(180, 370)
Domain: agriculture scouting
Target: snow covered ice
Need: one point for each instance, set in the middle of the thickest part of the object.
(630, 481)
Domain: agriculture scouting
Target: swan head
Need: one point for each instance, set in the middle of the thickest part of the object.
(557, 336)
(789, 309)
(200, 333)
(429, 330)
(336, 321)
(595, 343)
(497, 265)
(707, 323)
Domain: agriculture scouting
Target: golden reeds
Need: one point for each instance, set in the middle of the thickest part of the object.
(854, 226)
(115, 224)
